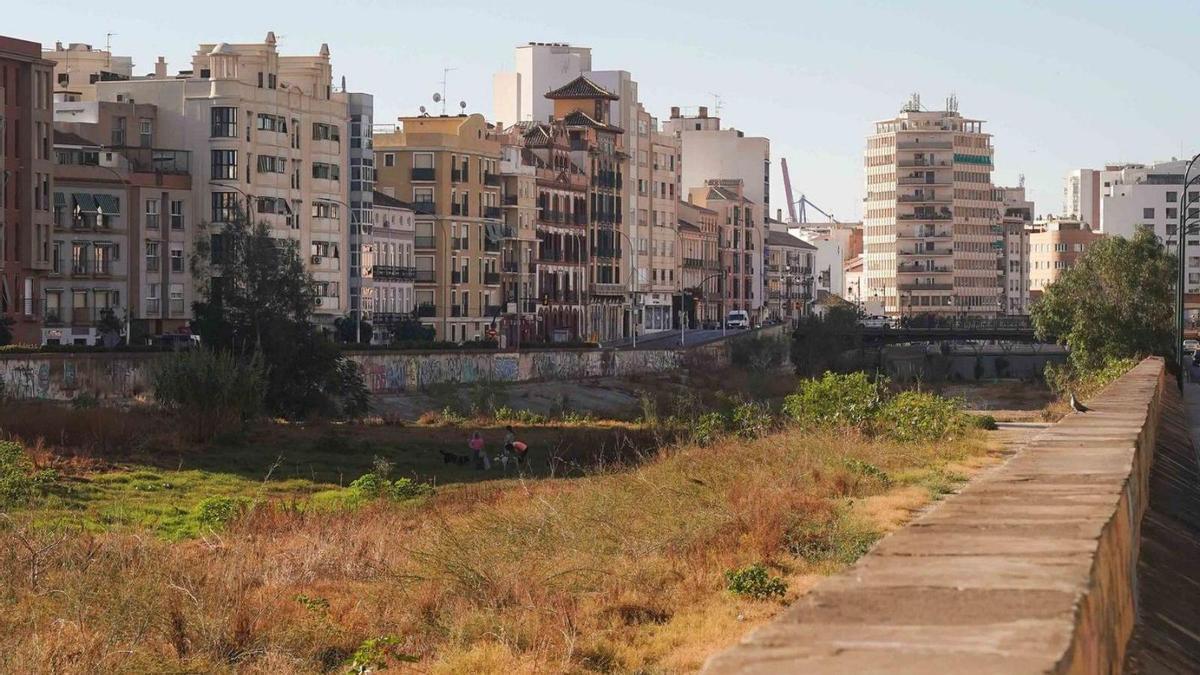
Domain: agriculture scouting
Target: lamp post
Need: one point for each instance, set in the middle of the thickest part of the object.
(1181, 285)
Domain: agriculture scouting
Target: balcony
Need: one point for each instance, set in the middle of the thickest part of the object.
(426, 208)
(916, 268)
(457, 311)
(425, 309)
(425, 277)
(921, 180)
(493, 310)
(924, 145)
(921, 162)
(930, 198)
(424, 242)
(927, 252)
(693, 263)
(456, 277)
(394, 273)
(609, 289)
(457, 176)
(510, 200)
(491, 278)
(580, 144)
(457, 209)
(925, 287)
(925, 234)
(492, 212)
(424, 174)
(491, 246)
(925, 216)
(153, 160)
(491, 179)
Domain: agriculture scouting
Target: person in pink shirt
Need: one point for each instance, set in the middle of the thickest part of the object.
(477, 449)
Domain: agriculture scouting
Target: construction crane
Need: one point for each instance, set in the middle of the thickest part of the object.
(798, 215)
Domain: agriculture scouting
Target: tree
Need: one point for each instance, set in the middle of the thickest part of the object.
(820, 341)
(412, 330)
(211, 390)
(6, 333)
(257, 301)
(348, 330)
(1117, 302)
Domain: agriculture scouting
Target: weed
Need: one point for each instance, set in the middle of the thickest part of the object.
(214, 513)
(20, 481)
(919, 416)
(835, 401)
(753, 581)
(751, 420)
(377, 654)
(838, 538)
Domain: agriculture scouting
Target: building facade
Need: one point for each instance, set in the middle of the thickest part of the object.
(389, 269)
(1054, 246)
(702, 276)
(738, 221)
(658, 199)
(789, 274)
(518, 271)
(447, 169)
(931, 227)
(122, 208)
(26, 182)
(361, 154)
(265, 132)
(1017, 214)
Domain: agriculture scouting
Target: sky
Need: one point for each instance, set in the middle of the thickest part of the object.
(1061, 85)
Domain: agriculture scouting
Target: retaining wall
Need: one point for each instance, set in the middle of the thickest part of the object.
(1030, 569)
(116, 376)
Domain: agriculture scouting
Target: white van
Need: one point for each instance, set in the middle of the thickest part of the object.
(738, 318)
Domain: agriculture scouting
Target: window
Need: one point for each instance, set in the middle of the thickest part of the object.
(176, 299)
(224, 122)
(326, 171)
(152, 256)
(276, 123)
(325, 249)
(118, 131)
(224, 164)
(325, 132)
(422, 160)
(176, 214)
(224, 207)
(324, 210)
(272, 164)
(1172, 213)
(176, 259)
(153, 299)
(152, 214)
(1172, 197)
(1148, 212)
(146, 132)
(389, 159)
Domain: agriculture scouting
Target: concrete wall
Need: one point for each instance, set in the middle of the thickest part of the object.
(1030, 569)
(928, 363)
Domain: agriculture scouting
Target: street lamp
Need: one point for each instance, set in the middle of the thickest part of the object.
(1181, 286)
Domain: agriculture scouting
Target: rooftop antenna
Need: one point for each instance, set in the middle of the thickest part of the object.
(1021, 180)
(108, 49)
(441, 98)
(913, 104)
(716, 104)
(952, 103)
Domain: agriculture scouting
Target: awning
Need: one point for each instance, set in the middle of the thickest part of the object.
(85, 203)
(109, 204)
(60, 200)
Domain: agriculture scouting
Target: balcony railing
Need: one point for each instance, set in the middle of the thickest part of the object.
(457, 311)
(919, 145)
(491, 179)
(424, 242)
(510, 200)
(924, 216)
(153, 160)
(491, 278)
(394, 272)
(491, 246)
(492, 212)
(153, 306)
(610, 289)
(457, 209)
(693, 263)
(921, 180)
(493, 310)
(925, 234)
(424, 174)
(426, 309)
(425, 208)
(456, 176)
(925, 287)
(928, 252)
(922, 269)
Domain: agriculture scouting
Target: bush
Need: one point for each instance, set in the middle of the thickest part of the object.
(751, 420)
(758, 354)
(835, 401)
(20, 481)
(376, 484)
(211, 390)
(985, 422)
(1065, 379)
(919, 416)
(214, 513)
(753, 581)
(708, 428)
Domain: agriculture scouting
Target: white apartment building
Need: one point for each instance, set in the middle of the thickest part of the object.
(1083, 188)
(836, 244)
(1149, 196)
(265, 134)
(931, 232)
(710, 152)
(1017, 214)
(362, 187)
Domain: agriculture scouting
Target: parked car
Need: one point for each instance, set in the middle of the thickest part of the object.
(1191, 345)
(875, 321)
(738, 318)
(176, 341)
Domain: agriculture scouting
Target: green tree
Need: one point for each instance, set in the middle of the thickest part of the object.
(820, 341)
(256, 301)
(349, 330)
(1117, 302)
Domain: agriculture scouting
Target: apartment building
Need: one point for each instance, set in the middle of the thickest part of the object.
(597, 147)
(265, 132)
(1054, 246)
(447, 169)
(789, 275)
(121, 238)
(1084, 188)
(1017, 214)
(1149, 196)
(561, 229)
(658, 199)
(930, 220)
(78, 67)
(708, 152)
(361, 153)
(738, 228)
(835, 244)
(518, 255)
(26, 182)
(389, 269)
(701, 275)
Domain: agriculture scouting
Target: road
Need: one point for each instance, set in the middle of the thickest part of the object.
(670, 338)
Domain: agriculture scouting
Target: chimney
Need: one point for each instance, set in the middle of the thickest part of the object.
(674, 112)
(703, 112)
(160, 69)
(58, 46)
(779, 215)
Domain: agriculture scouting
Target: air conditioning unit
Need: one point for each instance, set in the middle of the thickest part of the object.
(320, 300)
(316, 260)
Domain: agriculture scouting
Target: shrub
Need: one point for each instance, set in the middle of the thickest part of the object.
(211, 390)
(376, 484)
(752, 419)
(838, 538)
(919, 416)
(20, 481)
(507, 414)
(215, 513)
(708, 428)
(377, 654)
(758, 354)
(1065, 379)
(835, 400)
(985, 422)
(753, 581)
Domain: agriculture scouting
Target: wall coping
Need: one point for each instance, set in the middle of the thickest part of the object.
(1030, 569)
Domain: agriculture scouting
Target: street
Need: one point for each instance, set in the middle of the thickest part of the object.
(670, 338)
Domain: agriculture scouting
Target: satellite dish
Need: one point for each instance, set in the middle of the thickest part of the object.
(462, 104)
(422, 110)
(437, 98)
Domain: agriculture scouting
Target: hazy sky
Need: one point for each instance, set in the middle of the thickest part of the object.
(1061, 84)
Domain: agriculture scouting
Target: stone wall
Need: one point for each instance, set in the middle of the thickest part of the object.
(928, 363)
(1032, 568)
(118, 377)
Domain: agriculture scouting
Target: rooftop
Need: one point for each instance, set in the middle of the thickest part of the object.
(581, 87)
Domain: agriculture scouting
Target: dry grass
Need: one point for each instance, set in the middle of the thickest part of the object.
(616, 571)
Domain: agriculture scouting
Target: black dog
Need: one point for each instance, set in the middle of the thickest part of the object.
(452, 458)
